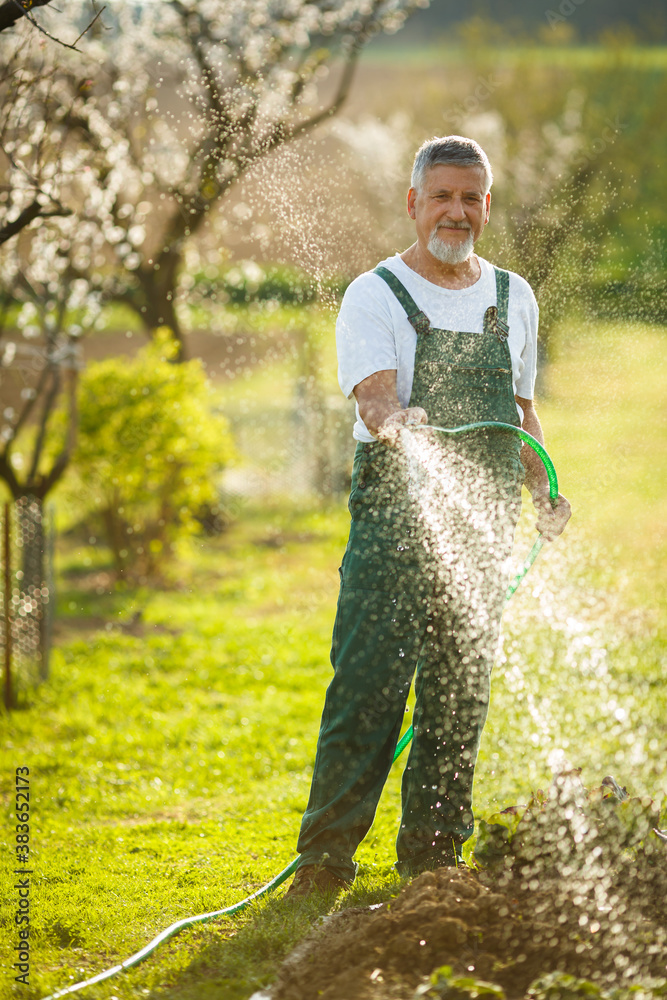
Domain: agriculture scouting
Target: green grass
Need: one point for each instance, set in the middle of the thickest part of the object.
(171, 754)
(605, 417)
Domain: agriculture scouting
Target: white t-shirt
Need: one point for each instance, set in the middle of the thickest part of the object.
(373, 332)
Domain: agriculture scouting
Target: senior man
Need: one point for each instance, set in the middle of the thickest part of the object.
(434, 335)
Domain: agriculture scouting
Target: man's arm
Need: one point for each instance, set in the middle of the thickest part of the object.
(550, 520)
(380, 409)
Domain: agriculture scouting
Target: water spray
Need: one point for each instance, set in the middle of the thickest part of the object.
(282, 876)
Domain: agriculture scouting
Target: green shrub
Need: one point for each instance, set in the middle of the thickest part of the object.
(148, 453)
(246, 282)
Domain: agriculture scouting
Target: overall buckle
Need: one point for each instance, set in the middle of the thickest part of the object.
(420, 322)
(502, 330)
(495, 325)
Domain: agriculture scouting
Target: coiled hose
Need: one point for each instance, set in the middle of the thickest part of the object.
(282, 876)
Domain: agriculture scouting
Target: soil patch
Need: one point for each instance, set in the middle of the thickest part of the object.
(575, 883)
(496, 928)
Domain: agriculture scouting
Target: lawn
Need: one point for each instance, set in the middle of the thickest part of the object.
(170, 754)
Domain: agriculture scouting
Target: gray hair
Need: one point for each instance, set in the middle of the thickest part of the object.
(454, 149)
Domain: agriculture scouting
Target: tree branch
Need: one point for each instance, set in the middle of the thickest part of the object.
(12, 10)
(281, 133)
(33, 211)
(336, 104)
(7, 473)
(206, 70)
(27, 216)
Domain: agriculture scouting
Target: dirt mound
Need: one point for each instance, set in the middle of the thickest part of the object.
(494, 928)
(565, 892)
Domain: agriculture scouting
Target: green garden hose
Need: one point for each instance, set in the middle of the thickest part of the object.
(201, 918)
(174, 929)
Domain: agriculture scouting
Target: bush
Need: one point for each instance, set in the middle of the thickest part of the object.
(149, 450)
(246, 282)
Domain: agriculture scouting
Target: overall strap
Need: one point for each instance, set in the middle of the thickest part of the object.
(417, 318)
(502, 300)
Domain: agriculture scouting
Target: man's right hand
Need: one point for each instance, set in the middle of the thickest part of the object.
(389, 431)
(380, 408)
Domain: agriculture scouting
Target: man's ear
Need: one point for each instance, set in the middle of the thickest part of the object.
(487, 211)
(412, 194)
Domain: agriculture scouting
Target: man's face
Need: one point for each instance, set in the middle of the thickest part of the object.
(450, 211)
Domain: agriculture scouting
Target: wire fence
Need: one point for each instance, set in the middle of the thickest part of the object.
(27, 596)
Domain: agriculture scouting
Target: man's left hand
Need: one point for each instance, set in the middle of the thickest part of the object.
(551, 520)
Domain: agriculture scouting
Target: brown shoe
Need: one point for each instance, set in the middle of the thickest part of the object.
(315, 878)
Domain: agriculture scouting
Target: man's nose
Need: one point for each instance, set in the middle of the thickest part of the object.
(456, 210)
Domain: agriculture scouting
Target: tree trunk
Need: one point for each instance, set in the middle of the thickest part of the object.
(157, 307)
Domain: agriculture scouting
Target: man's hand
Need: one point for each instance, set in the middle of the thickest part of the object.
(551, 520)
(390, 430)
(381, 410)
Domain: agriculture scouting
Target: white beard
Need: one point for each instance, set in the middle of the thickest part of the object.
(446, 252)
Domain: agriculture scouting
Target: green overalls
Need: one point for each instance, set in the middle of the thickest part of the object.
(399, 610)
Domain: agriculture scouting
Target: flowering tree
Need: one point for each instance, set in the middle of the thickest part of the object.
(27, 189)
(29, 166)
(44, 302)
(115, 159)
(189, 94)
